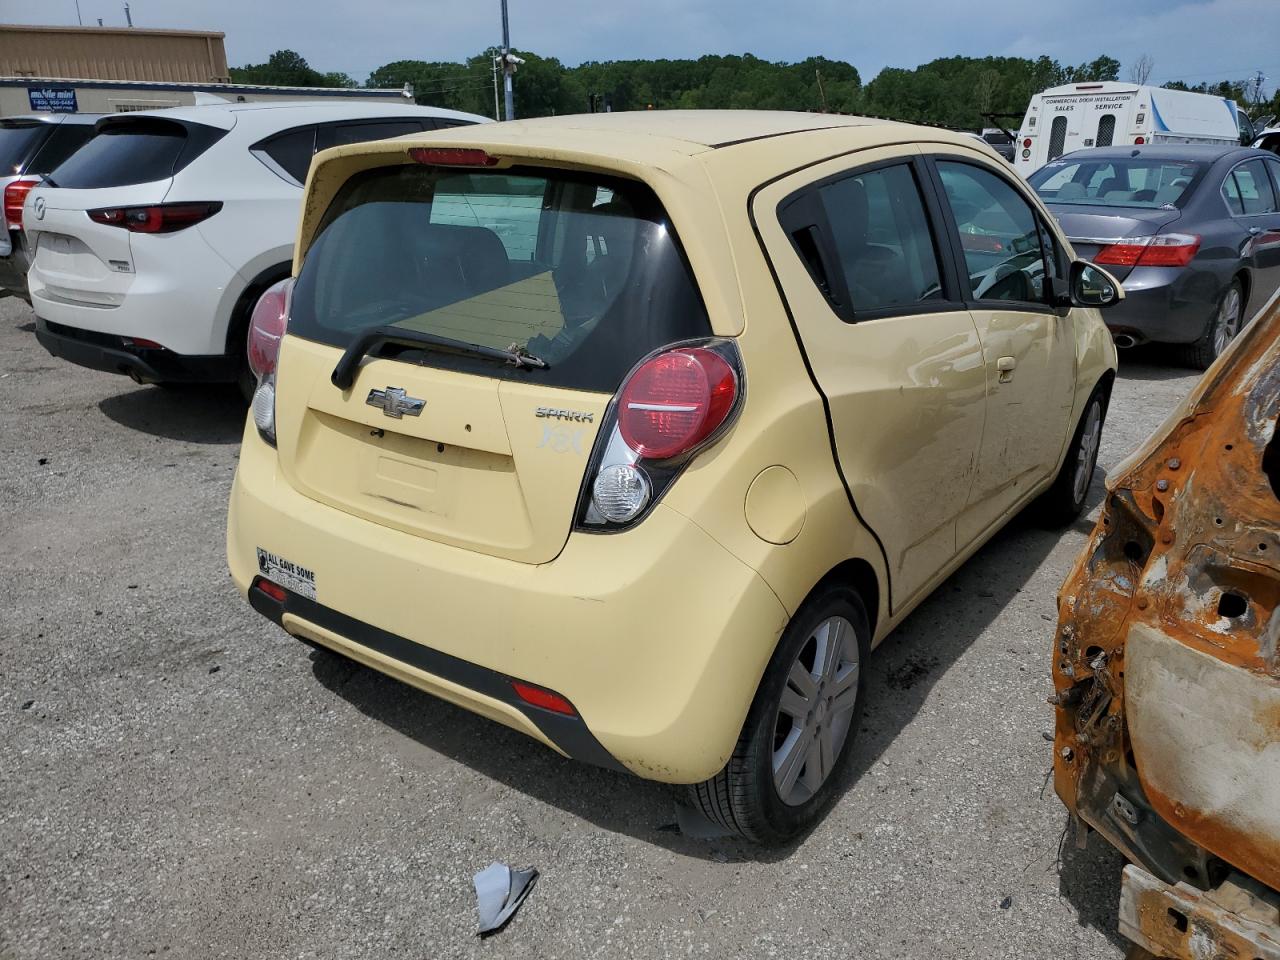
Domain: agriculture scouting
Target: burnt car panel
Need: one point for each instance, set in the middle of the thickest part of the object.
(1166, 666)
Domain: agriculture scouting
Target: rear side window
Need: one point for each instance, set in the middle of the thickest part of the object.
(344, 133)
(291, 151)
(1248, 190)
(18, 143)
(137, 150)
(882, 239)
(999, 234)
(584, 272)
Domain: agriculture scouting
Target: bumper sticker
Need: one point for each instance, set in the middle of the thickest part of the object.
(289, 575)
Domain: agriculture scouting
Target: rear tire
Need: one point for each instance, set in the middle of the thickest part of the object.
(795, 743)
(1063, 502)
(1222, 329)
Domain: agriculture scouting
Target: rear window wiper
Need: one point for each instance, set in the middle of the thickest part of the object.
(344, 374)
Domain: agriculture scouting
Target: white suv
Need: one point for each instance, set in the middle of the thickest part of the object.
(153, 242)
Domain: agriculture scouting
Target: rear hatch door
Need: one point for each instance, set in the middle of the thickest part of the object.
(130, 162)
(581, 271)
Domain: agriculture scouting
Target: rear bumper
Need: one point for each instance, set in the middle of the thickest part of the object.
(108, 352)
(1164, 305)
(657, 636)
(1237, 919)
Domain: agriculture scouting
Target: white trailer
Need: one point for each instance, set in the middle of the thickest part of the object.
(1104, 114)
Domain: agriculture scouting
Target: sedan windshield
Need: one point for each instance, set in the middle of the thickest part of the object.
(1116, 182)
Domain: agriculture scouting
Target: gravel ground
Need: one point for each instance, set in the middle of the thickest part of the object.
(179, 777)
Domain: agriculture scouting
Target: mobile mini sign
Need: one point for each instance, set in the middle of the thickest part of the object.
(52, 99)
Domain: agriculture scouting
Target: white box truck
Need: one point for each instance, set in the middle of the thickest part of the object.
(1104, 114)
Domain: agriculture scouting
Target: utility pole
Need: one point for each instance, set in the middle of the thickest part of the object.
(79, 19)
(494, 63)
(508, 66)
(1258, 81)
(127, 15)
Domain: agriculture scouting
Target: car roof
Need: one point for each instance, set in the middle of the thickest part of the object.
(1207, 152)
(22, 119)
(686, 131)
(286, 113)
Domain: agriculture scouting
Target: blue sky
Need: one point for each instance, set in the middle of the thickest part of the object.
(1191, 40)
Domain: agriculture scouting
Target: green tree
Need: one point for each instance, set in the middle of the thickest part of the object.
(287, 68)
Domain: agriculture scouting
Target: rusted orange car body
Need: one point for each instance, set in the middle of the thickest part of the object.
(1167, 669)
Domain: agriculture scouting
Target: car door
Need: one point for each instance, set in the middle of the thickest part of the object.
(877, 309)
(1251, 198)
(1028, 349)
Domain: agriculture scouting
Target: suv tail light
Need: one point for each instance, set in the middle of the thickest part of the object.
(673, 404)
(157, 218)
(1165, 250)
(267, 327)
(15, 196)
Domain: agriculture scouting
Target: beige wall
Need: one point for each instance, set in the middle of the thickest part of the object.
(107, 53)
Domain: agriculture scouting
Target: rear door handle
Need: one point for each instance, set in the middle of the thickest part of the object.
(1004, 368)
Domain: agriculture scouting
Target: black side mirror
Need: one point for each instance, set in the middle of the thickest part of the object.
(1091, 286)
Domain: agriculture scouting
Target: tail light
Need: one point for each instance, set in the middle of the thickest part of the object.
(267, 325)
(1164, 250)
(157, 218)
(15, 196)
(1026, 142)
(673, 404)
(1139, 140)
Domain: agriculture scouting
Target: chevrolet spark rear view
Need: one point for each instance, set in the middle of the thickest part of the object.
(637, 433)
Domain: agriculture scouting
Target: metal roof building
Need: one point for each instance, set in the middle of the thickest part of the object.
(113, 53)
(118, 69)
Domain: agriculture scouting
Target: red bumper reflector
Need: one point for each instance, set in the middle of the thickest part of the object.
(142, 343)
(540, 697)
(272, 590)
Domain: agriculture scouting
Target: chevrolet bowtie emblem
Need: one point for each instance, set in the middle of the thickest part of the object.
(394, 403)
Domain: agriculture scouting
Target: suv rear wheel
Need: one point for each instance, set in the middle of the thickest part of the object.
(795, 743)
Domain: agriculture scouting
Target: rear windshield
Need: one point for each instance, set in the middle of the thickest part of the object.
(583, 272)
(1119, 182)
(139, 150)
(17, 143)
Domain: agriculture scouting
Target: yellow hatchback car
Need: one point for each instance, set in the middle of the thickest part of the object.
(637, 432)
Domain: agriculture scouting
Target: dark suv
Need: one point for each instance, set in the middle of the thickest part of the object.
(31, 147)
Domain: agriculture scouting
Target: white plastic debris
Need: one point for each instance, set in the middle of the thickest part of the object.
(499, 893)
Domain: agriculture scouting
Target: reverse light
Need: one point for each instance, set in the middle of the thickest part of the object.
(620, 492)
(1164, 250)
(157, 218)
(671, 405)
(452, 156)
(15, 196)
(267, 325)
(544, 698)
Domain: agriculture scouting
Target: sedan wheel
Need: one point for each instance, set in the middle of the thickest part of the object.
(1228, 323)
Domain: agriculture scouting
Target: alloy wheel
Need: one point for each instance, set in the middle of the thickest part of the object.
(816, 710)
(1087, 455)
(1228, 324)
